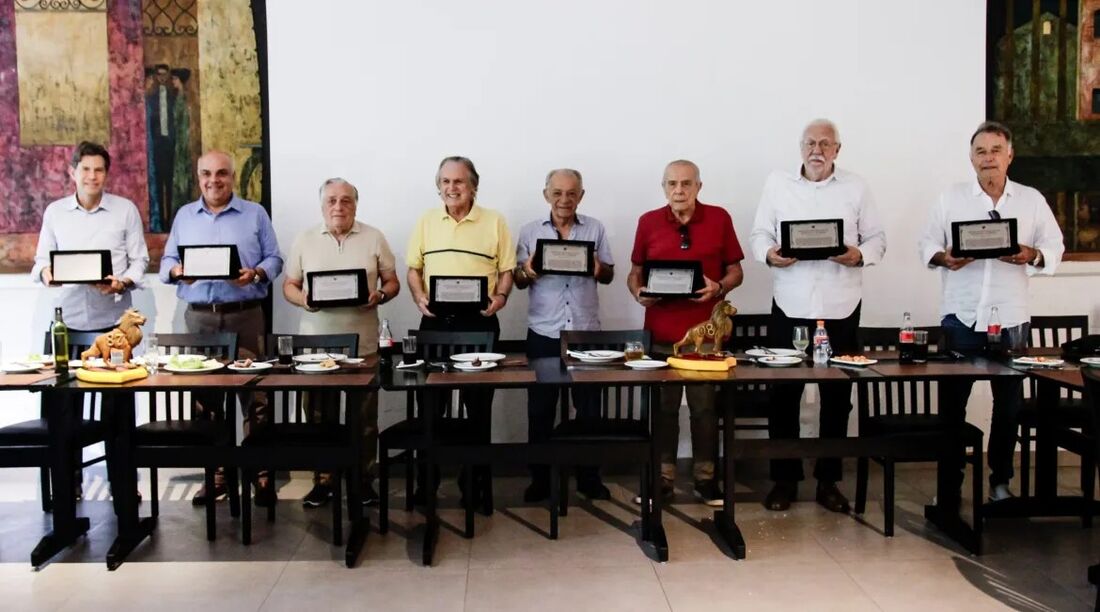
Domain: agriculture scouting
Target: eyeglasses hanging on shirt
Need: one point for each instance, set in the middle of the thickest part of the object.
(993, 214)
(685, 238)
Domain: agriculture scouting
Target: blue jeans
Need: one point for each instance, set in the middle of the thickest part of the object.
(1007, 396)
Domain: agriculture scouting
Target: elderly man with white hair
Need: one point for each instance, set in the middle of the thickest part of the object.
(344, 243)
(805, 292)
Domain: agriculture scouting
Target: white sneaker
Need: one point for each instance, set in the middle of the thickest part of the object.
(1000, 492)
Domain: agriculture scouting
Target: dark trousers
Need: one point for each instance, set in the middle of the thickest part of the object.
(478, 402)
(542, 406)
(1007, 399)
(836, 398)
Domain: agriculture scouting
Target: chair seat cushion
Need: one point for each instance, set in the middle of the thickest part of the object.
(200, 432)
(1072, 413)
(34, 432)
(603, 429)
(297, 435)
(916, 423)
(406, 432)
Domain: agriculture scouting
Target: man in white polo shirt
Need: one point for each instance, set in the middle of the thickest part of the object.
(972, 288)
(342, 243)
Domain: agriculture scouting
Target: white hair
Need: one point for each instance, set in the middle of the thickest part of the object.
(825, 123)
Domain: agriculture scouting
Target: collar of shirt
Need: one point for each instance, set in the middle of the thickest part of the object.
(799, 177)
(977, 191)
(550, 221)
(234, 205)
(104, 204)
(355, 228)
(472, 216)
(697, 216)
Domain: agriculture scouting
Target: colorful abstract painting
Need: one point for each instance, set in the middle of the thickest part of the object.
(157, 81)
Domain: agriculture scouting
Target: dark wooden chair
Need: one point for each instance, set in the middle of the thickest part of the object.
(1092, 401)
(1051, 332)
(909, 407)
(753, 400)
(453, 425)
(620, 436)
(176, 435)
(33, 434)
(303, 420)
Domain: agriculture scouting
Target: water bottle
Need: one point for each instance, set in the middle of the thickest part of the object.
(385, 346)
(822, 351)
(59, 334)
(905, 339)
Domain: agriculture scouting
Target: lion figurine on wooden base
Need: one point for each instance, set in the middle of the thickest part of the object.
(124, 337)
(717, 329)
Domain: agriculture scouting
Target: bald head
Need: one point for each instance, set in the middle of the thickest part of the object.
(682, 164)
(216, 173)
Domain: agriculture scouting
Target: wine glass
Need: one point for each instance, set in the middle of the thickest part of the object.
(800, 337)
(152, 353)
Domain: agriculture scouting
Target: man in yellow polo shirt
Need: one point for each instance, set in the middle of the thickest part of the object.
(462, 239)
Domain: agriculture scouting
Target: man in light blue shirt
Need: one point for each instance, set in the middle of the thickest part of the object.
(561, 303)
(220, 217)
(92, 219)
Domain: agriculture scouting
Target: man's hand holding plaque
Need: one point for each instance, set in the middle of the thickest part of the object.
(986, 239)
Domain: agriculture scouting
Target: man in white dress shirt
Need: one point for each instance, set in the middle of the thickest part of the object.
(971, 288)
(808, 291)
(92, 219)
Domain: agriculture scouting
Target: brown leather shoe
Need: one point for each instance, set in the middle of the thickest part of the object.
(831, 498)
(781, 496)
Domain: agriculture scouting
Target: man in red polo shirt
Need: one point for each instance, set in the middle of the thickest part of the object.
(685, 229)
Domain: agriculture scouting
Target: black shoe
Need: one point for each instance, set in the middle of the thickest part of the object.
(370, 496)
(202, 497)
(538, 490)
(831, 498)
(593, 489)
(318, 496)
(781, 496)
(707, 490)
(265, 495)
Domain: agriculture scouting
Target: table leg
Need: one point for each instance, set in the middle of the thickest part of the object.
(656, 529)
(724, 519)
(122, 473)
(62, 418)
(1046, 451)
(431, 493)
(360, 524)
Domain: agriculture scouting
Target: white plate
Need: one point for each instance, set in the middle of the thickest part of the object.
(646, 364)
(1091, 361)
(596, 356)
(466, 366)
(857, 364)
(319, 357)
(12, 368)
(408, 366)
(774, 352)
(40, 359)
(352, 361)
(472, 356)
(164, 359)
(94, 362)
(779, 361)
(1046, 361)
(255, 367)
(210, 365)
(315, 368)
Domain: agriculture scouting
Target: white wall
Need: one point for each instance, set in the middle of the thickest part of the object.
(378, 92)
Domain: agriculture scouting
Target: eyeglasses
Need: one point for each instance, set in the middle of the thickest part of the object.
(993, 214)
(825, 145)
(685, 238)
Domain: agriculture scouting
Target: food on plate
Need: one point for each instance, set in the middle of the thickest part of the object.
(186, 363)
(328, 363)
(243, 363)
(476, 362)
(853, 358)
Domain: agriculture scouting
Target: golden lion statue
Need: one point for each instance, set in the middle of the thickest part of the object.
(124, 337)
(717, 329)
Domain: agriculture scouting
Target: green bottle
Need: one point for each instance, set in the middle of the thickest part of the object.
(60, 335)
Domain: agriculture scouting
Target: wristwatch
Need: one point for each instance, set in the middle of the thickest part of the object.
(384, 297)
(1038, 258)
(257, 278)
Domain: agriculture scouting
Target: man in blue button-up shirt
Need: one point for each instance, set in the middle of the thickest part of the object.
(561, 303)
(220, 217)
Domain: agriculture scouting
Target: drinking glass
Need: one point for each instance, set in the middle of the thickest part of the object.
(800, 338)
(408, 350)
(633, 351)
(152, 353)
(286, 349)
(920, 346)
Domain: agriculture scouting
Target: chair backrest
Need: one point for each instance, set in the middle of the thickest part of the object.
(749, 330)
(616, 401)
(79, 341)
(176, 405)
(900, 397)
(1053, 331)
(433, 345)
(295, 406)
(886, 338)
(347, 344)
(1092, 400)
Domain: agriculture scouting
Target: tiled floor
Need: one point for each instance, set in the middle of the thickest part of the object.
(804, 559)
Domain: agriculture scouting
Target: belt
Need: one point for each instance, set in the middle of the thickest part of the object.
(225, 306)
